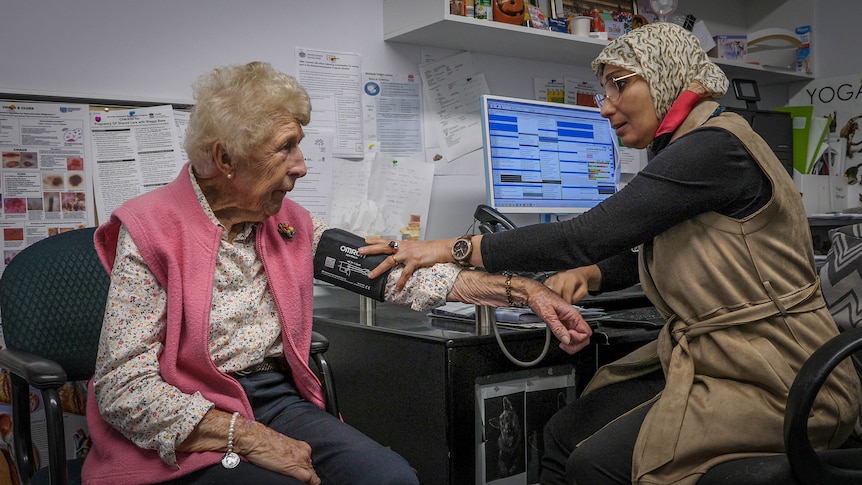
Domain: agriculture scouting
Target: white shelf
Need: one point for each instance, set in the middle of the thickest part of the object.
(496, 38)
(440, 29)
(764, 75)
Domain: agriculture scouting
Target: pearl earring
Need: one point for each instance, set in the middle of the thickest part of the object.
(229, 176)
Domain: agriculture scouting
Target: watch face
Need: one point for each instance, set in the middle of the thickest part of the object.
(461, 249)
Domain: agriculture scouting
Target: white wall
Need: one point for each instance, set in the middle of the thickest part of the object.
(838, 47)
(154, 49)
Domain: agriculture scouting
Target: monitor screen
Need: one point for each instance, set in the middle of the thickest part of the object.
(776, 128)
(547, 158)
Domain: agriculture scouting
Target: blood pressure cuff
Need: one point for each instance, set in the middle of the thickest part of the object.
(337, 261)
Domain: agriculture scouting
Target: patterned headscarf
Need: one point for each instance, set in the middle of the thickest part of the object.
(668, 57)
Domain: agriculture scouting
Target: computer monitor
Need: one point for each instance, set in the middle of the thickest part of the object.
(547, 158)
(776, 128)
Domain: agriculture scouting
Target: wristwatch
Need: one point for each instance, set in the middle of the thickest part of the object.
(463, 249)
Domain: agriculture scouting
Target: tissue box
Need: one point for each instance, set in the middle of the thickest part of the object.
(731, 47)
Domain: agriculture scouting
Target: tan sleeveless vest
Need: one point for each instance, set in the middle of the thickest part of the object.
(744, 311)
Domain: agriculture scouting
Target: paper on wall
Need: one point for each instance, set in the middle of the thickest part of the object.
(45, 173)
(135, 151)
(349, 208)
(377, 195)
(581, 91)
(182, 120)
(392, 113)
(314, 191)
(549, 89)
(401, 187)
(332, 80)
(453, 89)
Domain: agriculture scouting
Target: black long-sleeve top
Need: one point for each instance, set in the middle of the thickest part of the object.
(705, 170)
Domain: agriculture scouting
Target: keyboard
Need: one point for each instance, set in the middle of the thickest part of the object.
(643, 317)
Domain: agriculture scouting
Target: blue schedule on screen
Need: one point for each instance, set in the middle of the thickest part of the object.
(546, 158)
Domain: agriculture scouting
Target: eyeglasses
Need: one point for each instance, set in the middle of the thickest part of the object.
(613, 89)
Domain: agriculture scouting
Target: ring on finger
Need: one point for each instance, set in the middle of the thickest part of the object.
(394, 262)
(394, 245)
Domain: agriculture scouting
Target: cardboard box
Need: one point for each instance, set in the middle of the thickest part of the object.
(731, 47)
(558, 25)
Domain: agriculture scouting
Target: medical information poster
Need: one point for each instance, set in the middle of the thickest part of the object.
(45, 182)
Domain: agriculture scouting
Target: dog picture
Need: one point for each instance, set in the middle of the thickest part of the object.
(510, 441)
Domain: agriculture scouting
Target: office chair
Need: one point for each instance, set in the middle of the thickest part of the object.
(52, 300)
(801, 464)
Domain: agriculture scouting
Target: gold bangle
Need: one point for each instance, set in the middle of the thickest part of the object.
(509, 299)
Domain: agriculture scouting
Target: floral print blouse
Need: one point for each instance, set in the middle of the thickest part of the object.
(244, 329)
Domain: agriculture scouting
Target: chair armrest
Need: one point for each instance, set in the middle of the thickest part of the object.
(39, 372)
(30, 370)
(319, 346)
(807, 466)
(319, 343)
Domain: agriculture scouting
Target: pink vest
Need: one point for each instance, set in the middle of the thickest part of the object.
(180, 245)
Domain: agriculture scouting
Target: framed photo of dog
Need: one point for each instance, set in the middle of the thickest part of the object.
(511, 412)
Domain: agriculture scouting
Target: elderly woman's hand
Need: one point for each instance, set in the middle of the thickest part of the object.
(564, 320)
(259, 444)
(412, 254)
(274, 451)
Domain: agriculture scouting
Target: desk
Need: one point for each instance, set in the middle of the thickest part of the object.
(821, 225)
(409, 380)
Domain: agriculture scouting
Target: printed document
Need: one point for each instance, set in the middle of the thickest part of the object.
(135, 151)
(45, 172)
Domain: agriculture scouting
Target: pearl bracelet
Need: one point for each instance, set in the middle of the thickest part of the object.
(230, 459)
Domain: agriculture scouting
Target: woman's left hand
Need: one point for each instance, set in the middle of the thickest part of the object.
(576, 283)
(564, 320)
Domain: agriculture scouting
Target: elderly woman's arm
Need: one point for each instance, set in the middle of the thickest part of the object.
(562, 318)
(130, 392)
(153, 414)
(432, 286)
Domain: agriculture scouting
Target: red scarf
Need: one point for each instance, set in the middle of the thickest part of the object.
(674, 117)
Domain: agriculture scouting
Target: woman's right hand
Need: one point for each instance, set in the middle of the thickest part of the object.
(267, 448)
(575, 284)
(257, 443)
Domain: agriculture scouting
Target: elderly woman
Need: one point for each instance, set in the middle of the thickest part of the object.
(724, 253)
(202, 373)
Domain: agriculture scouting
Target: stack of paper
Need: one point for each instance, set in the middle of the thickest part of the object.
(520, 316)
(455, 310)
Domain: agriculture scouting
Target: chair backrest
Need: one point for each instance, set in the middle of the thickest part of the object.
(52, 301)
(840, 277)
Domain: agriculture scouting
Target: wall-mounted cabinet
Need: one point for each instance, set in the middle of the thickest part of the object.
(428, 23)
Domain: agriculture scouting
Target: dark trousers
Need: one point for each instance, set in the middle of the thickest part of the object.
(340, 454)
(606, 458)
